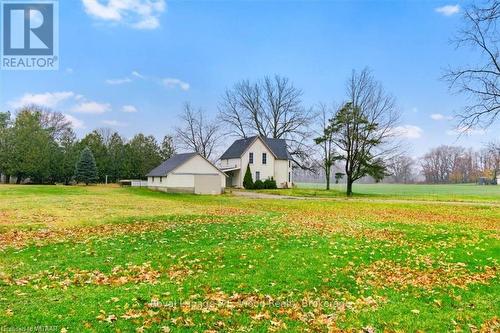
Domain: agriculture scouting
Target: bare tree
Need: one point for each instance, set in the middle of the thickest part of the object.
(197, 133)
(364, 128)
(479, 81)
(272, 108)
(106, 134)
(54, 122)
(493, 158)
(441, 163)
(325, 142)
(401, 168)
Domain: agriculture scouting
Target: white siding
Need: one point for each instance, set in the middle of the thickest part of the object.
(231, 163)
(282, 169)
(184, 176)
(266, 170)
(277, 169)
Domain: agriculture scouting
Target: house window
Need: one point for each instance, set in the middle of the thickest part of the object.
(250, 158)
(289, 177)
(153, 179)
(264, 158)
(289, 164)
(161, 179)
(257, 175)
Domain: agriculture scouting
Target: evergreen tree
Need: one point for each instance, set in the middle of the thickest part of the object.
(116, 154)
(96, 143)
(248, 180)
(167, 147)
(142, 155)
(86, 169)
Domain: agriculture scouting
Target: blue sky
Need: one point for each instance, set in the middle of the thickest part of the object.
(131, 67)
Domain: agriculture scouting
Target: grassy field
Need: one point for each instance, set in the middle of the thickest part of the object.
(107, 259)
(459, 192)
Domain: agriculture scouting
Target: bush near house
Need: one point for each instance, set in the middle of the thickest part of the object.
(248, 180)
(258, 185)
(270, 184)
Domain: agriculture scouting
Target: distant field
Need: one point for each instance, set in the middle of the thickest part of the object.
(110, 259)
(454, 192)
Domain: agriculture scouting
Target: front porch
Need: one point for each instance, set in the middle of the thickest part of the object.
(233, 177)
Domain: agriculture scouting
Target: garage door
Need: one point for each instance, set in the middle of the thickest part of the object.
(207, 184)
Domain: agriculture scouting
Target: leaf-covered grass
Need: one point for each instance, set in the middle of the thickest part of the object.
(448, 192)
(99, 258)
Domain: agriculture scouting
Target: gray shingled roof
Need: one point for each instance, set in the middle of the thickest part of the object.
(172, 163)
(277, 146)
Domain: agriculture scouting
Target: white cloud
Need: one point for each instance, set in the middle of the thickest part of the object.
(114, 123)
(129, 109)
(169, 83)
(75, 123)
(439, 116)
(407, 131)
(173, 83)
(135, 75)
(139, 75)
(448, 10)
(138, 14)
(50, 100)
(118, 81)
(465, 131)
(91, 108)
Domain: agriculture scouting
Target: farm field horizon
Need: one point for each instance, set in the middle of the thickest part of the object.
(108, 259)
(440, 192)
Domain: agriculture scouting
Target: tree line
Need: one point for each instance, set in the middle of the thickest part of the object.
(452, 164)
(360, 133)
(40, 145)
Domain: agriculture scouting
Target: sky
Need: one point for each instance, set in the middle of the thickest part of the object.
(131, 65)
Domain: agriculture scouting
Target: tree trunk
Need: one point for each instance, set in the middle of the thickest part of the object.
(327, 173)
(349, 186)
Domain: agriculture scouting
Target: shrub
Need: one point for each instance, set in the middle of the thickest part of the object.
(258, 185)
(270, 184)
(248, 180)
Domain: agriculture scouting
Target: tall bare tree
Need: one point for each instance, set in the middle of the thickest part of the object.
(325, 142)
(271, 107)
(479, 80)
(197, 133)
(364, 128)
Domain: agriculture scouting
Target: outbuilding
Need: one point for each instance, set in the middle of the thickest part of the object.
(187, 173)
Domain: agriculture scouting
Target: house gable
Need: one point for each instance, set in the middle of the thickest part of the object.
(277, 147)
(275, 164)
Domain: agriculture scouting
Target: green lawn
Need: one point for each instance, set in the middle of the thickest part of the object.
(455, 192)
(107, 259)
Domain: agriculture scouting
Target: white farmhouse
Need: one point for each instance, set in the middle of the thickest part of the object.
(267, 158)
(187, 173)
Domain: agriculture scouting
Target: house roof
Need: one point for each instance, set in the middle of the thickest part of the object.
(170, 164)
(276, 146)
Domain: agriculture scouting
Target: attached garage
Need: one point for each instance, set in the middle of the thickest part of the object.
(187, 173)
